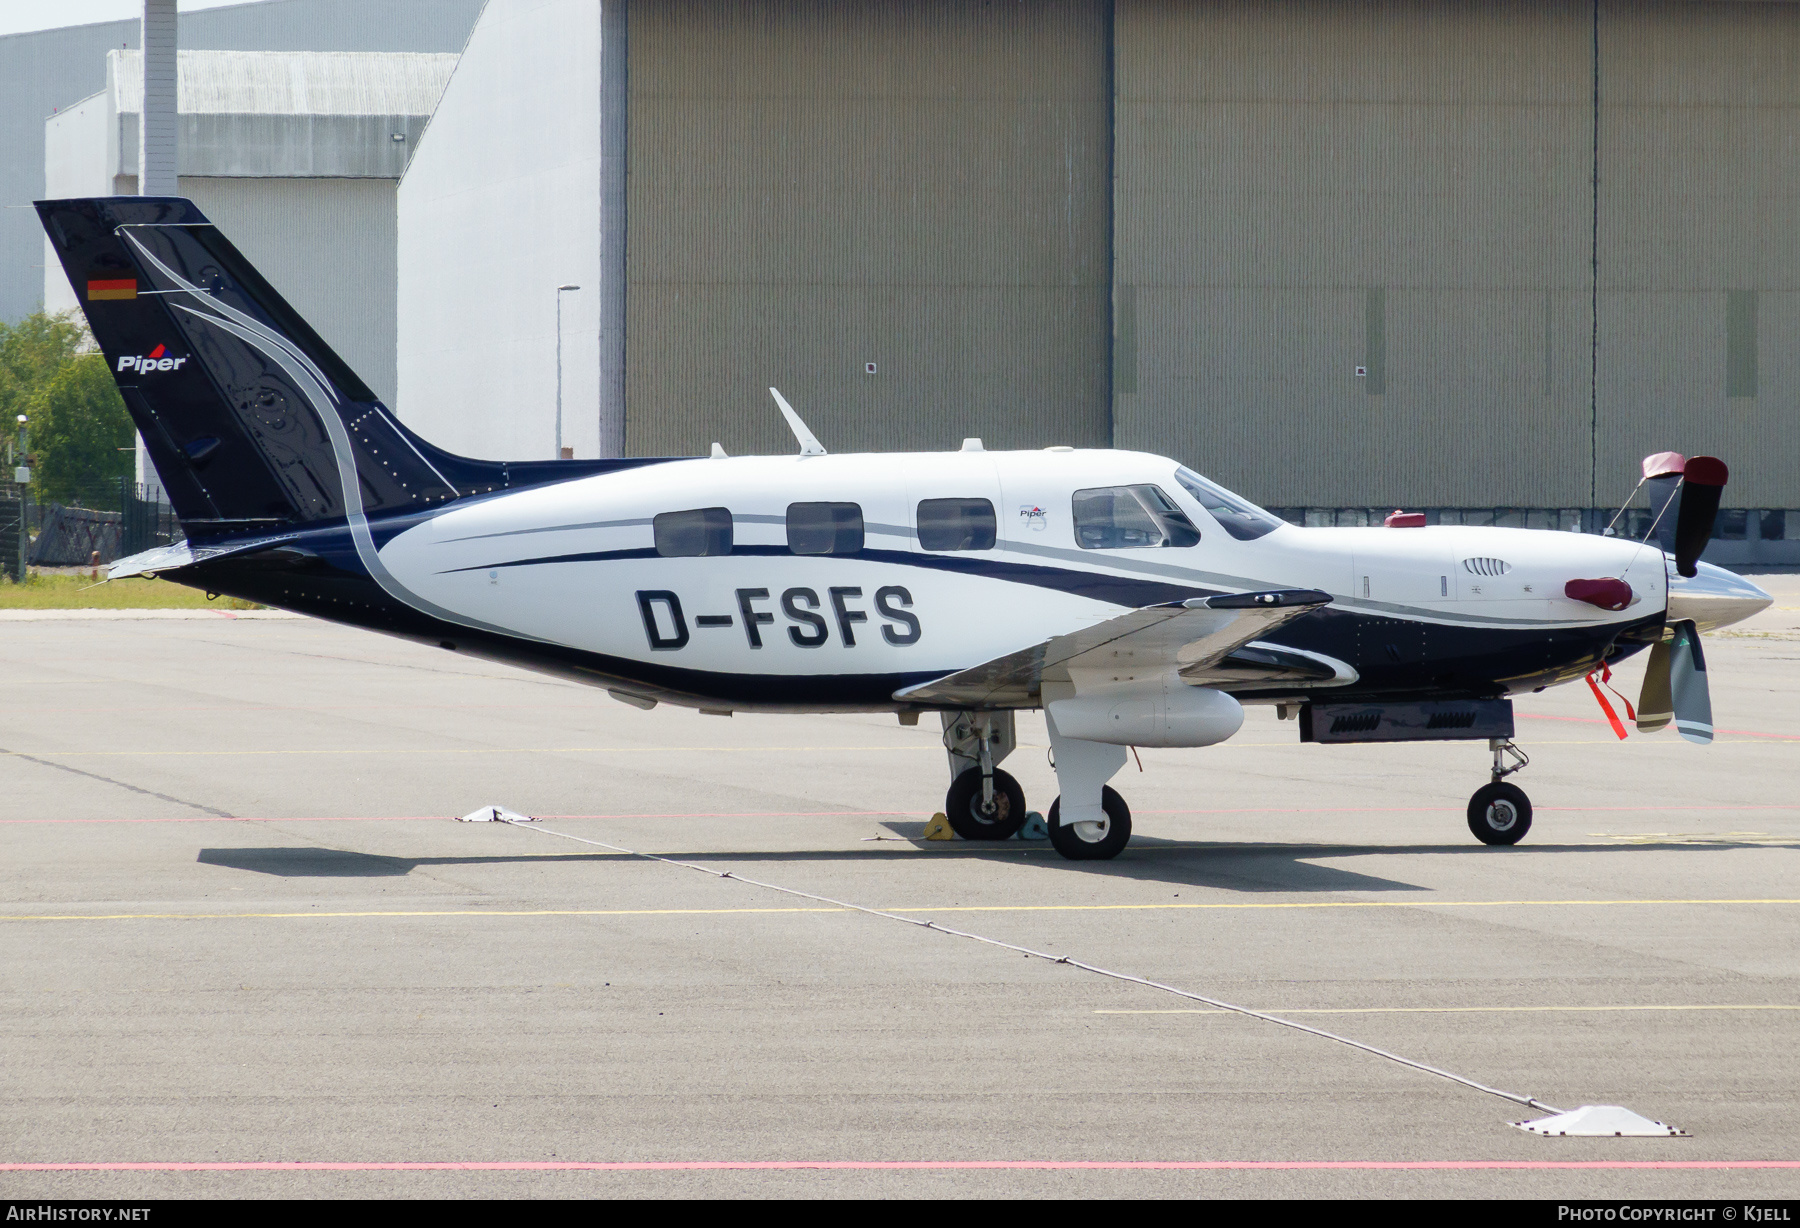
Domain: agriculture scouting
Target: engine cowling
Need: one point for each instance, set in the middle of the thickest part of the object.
(1164, 712)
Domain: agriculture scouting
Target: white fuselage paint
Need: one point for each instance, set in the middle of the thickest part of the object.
(504, 562)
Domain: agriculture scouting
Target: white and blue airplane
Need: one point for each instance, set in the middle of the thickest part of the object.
(1132, 600)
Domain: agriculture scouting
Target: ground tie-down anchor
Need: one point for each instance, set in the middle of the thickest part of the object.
(1600, 1121)
(495, 814)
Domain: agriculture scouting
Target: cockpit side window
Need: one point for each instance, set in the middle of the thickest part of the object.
(956, 524)
(1235, 514)
(703, 531)
(824, 528)
(1130, 517)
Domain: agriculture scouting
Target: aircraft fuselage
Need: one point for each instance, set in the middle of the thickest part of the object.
(569, 578)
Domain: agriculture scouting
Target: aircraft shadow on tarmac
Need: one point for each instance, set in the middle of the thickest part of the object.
(1250, 868)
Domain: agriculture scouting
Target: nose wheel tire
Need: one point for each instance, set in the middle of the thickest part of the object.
(1092, 841)
(1500, 813)
(972, 820)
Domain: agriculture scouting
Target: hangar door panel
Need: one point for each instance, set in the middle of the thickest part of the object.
(817, 187)
(1312, 188)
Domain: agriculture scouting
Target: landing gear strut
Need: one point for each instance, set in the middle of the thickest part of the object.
(1499, 812)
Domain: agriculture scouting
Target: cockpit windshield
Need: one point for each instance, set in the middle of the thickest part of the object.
(1237, 516)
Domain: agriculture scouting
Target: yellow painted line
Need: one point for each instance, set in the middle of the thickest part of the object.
(701, 912)
(1454, 1010)
(1326, 904)
(445, 912)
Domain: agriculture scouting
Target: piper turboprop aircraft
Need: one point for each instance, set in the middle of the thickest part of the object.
(1134, 601)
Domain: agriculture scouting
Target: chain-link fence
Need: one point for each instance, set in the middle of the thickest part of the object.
(15, 529)
(111, 519)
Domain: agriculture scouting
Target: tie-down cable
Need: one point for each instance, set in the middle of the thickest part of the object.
(1221, 1004)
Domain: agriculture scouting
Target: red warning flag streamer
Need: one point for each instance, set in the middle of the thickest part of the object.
(1594, 679)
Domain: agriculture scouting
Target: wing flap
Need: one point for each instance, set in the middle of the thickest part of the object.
(1190, 636)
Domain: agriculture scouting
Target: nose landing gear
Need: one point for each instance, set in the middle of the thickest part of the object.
(1499, 812)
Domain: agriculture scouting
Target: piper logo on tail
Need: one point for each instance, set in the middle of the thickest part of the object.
(155, 360)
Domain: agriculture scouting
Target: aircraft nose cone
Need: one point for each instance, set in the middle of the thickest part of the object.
(1715, 598)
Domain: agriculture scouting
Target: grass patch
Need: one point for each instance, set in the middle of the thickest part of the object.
(80, 593)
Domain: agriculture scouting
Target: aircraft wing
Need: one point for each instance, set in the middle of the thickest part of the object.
(1207, 640)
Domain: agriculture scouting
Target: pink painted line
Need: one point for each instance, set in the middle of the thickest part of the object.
(1593, 720)
(764, 1165)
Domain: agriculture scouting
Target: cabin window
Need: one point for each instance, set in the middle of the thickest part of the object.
(956, 524)
(1130, 517)
(1237, 516)
(824, 528)
(703, 531)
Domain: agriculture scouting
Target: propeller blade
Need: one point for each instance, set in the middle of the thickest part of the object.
(1655, 707)
(1687, 684)
(1702, 482)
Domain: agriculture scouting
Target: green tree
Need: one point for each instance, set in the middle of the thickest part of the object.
(31, 352)
(81, 434)
(78, 424)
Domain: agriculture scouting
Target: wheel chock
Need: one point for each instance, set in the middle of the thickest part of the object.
(938, 828)
(1034, 828)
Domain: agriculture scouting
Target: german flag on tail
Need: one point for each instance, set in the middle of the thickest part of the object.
(111, 287)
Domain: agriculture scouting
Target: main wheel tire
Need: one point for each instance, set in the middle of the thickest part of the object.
(1092, 841)
(962, 806)
(1499, 813)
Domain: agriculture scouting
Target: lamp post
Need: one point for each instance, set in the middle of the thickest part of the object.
(559, 294)
(21, 475)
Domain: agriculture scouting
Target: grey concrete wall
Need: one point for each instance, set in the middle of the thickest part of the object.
(1699, 233)
(497, 210)
(45, 71)
(816, 186)
(1313, 187)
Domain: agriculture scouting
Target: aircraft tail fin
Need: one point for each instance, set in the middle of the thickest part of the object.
(253, 423)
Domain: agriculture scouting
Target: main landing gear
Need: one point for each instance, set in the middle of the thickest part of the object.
(1499, 812)
(985, 803)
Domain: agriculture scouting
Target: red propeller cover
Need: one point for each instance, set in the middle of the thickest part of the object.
(1706, 471)
(1607, 594)
(1405, 520)
(1663, 464)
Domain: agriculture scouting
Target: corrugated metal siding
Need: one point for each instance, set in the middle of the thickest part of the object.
(1307, 188)
(292, 82)
(816, 186)
(286, 146)
(1699, 208)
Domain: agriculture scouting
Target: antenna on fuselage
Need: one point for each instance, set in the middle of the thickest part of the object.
(809, 443)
